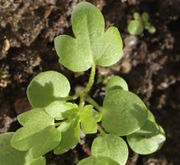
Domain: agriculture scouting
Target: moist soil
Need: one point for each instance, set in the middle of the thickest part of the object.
(151, 64)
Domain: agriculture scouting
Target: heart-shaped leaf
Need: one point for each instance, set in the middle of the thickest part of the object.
(47, 87)
(135, 27)
(110, 146)
(88, 120)
(97, 161)
(70, 131)
(117, 82)
(91, 46)
(123, 112)
(38, 133)
(148, 139)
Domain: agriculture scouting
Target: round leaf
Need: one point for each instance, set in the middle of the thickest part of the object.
(123, 112)
(97, 161)
(148, 139)
(135, 27)
(47, 87)
(117, 82)
(110, 146)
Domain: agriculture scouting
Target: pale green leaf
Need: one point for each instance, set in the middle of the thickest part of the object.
(135, 27)
(47, 87)
(117, 82)
(148, 139)
(90, 45)
(88, 120)
(11, 156)
(36, 115)
(58, 109)
(123, 112)
(97, 161)
(110, 146)
(70, 132)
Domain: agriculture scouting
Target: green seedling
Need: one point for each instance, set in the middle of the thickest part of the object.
(55, 121)
(139, 23)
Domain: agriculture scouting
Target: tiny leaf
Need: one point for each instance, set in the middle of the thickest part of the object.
(135, 27)
(110, 146)
(92, 160)
(88, 120)
(90, 45)
(47, 87)
(70, 132)
(148, 139)
(123, 112)
(117, 82)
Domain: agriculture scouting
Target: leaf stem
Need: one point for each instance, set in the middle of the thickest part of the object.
(102, 132)
(88, 87)
(94, 103)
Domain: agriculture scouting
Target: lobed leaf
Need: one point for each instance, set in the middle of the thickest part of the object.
(90, 45)
(110, 146)
(88, 120)
(123, 112)
(148, 139)
(47, 87)
(92, 160)
(38, 133)
(117, 82)
(11, 156)
(70, 132)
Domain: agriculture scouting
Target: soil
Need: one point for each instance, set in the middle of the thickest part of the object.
(151, 64)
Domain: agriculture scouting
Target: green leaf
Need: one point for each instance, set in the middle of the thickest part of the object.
(145, 16)
(148, 139)
(11, 156)
(47, 87)
(38, 133)
(110, 146)
(117, 82)
(97, 161)
(58, 109)
(90, 45)
(36, 115)
(123, 112)
(135, 27)
(88, 120)
(70, 132)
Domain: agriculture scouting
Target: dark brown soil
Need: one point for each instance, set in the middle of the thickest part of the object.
(151, 63)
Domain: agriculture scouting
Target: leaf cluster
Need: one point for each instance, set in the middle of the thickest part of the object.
(139, 23)
(55, 121)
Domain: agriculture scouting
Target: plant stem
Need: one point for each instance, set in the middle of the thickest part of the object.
(102, 132)
(94, 103)
(88, 87)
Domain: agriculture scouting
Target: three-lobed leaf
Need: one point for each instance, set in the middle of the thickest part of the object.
(110, 146)
(38, 133)
(11, 156)
(47, 87)
(123, 112)
(91, 45)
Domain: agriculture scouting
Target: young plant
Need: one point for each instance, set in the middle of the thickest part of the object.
(55, 121)
(140, 22)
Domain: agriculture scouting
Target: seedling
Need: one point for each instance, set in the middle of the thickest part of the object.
(140, 22)
(55, 121)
